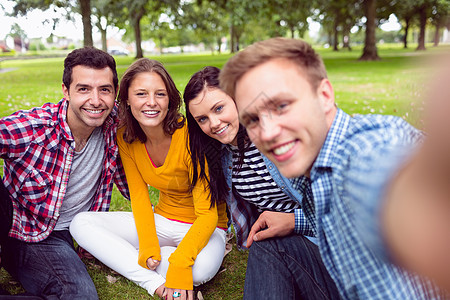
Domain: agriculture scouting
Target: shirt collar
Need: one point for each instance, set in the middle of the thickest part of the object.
(335, 135)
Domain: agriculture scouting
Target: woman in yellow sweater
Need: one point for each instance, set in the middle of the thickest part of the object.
(181, 242)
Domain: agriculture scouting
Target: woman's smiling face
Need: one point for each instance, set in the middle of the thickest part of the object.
(148, 99)
(216, 114)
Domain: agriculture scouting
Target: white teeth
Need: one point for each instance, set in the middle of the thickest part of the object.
(150, 112)
(92, 111)
(222, 130)
(283, 149)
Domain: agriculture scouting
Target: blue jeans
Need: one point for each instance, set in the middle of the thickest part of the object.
(287, 268)
(50, 268)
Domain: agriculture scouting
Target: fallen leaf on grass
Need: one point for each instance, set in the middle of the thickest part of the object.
(111, 279)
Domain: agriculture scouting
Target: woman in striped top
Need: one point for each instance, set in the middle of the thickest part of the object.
(262, 204)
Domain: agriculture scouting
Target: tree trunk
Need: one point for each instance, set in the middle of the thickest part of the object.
(370, 51)
(232, 38)
(160, 38)
(137, 34)
(335, 35)
(85, 7)
(219, 44)
(103, 33)
(436, 35)
(405, 38)
(423, 24)
(292, 32)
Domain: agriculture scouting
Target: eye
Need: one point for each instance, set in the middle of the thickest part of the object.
(106, 91)
(201, 120)
(219, 108)
(82, 89)
(282, 107)
(161, 94)
(251, 122)
(140, 94)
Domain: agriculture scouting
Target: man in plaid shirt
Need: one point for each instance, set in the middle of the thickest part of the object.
(343, 166)
(59, 159)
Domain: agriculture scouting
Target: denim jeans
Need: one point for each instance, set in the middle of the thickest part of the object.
(287, 268)
(50, 268)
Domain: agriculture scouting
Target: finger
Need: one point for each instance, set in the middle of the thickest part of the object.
(264, 234)
(190, 295)
(257, 226)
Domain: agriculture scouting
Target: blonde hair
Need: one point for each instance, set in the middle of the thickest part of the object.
(297, 51)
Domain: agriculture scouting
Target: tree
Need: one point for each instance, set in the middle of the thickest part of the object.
(440, 17)
(85, 9)
(22, 7)
(370, 51)
(405, 11)
(207, 19)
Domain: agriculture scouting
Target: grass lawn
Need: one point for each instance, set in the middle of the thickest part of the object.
(393, 85)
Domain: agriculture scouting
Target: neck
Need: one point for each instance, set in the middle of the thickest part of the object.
(155, 135)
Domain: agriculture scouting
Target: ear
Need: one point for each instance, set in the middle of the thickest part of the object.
(325, 93)
(65, 91)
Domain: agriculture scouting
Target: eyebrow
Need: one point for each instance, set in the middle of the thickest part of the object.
(215, 105)
(81, 85)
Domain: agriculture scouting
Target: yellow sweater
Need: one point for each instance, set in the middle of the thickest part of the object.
(175, 202)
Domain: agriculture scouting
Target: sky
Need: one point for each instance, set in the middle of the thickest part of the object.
(34, 27)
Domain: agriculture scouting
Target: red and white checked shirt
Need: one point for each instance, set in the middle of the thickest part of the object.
(38, 147)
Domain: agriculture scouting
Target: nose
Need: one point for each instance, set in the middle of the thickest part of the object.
(214, 122)
(95, 98)
(269, 128)
(151, 100)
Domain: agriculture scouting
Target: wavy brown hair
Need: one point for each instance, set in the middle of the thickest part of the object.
(174, 119)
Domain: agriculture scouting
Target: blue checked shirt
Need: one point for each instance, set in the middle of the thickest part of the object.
(342, 197)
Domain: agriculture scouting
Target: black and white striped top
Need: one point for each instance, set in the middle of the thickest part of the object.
(254, 183)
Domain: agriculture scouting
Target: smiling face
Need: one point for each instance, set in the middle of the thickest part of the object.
(285, 118)
(91, 96)
(148, 99)
(216, 114)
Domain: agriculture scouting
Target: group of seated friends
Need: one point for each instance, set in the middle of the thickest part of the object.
(330, 206)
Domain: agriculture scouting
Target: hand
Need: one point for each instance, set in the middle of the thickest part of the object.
(152, 263)
(416, 213)
(185, 294)
(277, 224)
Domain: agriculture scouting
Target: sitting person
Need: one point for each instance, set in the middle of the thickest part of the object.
(181, 243)
(254, 189)
(59, 159)
(344, 166)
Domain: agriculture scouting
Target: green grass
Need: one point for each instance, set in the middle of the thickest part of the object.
(393, 85)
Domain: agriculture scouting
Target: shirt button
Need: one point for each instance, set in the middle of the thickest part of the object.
(230, 167)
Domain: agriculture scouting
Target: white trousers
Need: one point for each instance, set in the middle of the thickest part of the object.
(112, 238)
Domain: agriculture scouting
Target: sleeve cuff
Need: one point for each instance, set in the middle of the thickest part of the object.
(179, 278)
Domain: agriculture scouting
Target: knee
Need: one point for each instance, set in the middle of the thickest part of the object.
(79, 221)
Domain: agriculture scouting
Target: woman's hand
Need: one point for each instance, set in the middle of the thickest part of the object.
(152, 263)
(183, 294)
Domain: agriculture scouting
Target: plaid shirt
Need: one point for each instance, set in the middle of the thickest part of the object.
(38, 148)
(343, 177)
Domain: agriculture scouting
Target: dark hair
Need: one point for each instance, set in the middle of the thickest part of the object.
(204, 147)
(174, 119)
(89, 57)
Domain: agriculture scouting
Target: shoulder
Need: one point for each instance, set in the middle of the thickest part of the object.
(369, 134)
(26, 122)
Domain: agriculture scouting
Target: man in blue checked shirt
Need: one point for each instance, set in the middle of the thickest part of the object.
(59, 159)
(341, 165)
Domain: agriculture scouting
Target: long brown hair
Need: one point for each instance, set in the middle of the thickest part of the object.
(174, 119)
